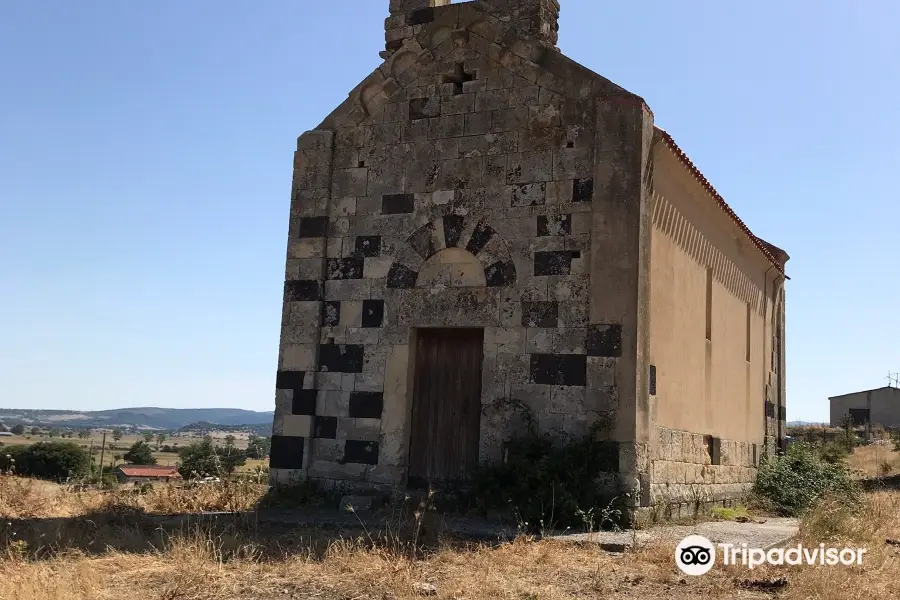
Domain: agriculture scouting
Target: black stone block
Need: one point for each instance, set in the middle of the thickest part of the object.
(480, 238)
(782, 413)
(364, 453)
(286, 452)
(341, 358)
(420, 16)
(501, 274)
(368, 246)
(345, 268)
(557, 262)
(306, 290)
(422, 241)
(540, 314)
(304, 402)
(554, 225)
(453, 228)
(397, 204)
(401, 277)
(770, 410)
(366, 405)
(559, 369)
(604, 340)
(312, 227)
(289, 380)
(652, 380)
(331, 314)
(325, 427)
(583, 190)
(372, 313)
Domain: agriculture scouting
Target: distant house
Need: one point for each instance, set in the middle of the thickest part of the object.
(146, 473)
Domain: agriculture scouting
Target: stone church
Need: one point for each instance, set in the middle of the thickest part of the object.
(486, 233)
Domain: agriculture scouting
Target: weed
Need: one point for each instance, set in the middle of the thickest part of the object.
(791, 483)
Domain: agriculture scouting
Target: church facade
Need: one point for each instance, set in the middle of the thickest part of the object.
(487, 237)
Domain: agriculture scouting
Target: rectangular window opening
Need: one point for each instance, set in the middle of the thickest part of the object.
(709, 286)
(714, 449)
(749, 314)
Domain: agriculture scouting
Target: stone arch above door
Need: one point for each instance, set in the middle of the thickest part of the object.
(452, 267)
(471, 235)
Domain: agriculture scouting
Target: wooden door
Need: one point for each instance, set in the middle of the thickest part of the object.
(446, 411)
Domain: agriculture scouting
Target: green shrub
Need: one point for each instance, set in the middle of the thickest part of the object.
(791, 483)
(835, 452)
(46, 460)
(549, 482)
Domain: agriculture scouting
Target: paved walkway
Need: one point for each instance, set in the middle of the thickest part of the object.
(770, 533)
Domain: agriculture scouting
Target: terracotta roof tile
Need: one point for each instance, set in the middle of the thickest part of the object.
(760, 245)
(149, 471)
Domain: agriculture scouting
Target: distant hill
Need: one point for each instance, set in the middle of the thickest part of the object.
(803, 424)
(142, 418)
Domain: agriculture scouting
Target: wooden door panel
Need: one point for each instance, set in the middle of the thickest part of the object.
(446, 414)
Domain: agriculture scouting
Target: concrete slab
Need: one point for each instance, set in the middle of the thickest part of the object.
(769, 533)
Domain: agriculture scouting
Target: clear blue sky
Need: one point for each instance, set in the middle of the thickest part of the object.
(145, 169)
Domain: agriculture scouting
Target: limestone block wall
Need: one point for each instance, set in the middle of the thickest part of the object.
(691, 467)
(467, 198)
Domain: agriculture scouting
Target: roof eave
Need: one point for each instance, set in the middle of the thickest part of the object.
(765, 248)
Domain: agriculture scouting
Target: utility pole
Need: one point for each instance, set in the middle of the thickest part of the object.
(102, 453)
(91, 462)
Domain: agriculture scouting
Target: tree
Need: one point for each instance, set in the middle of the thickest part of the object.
(148, 437)
(52, 433)
(35, 431)
(160, 438)
(117, 434)
(140, 454)
(258, 446)
(18, 429)
(116, 458)
(84, 434)
(47, 460)
(203, 459)
(229, 441)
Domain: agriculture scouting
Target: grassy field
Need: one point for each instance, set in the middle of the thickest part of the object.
(115, 450)
(875, 459)
(304, 563)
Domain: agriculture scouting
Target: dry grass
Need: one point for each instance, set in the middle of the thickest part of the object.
(22, 498)
(875, 460)
(240, 565)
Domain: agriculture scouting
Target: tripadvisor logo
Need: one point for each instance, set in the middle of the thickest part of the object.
(696, 555)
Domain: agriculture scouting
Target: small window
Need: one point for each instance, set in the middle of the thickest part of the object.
(749, 313)
(755, 456)
(709, 287)
(714, 449)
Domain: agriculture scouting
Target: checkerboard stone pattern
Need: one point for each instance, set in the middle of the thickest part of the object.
(455, 187)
